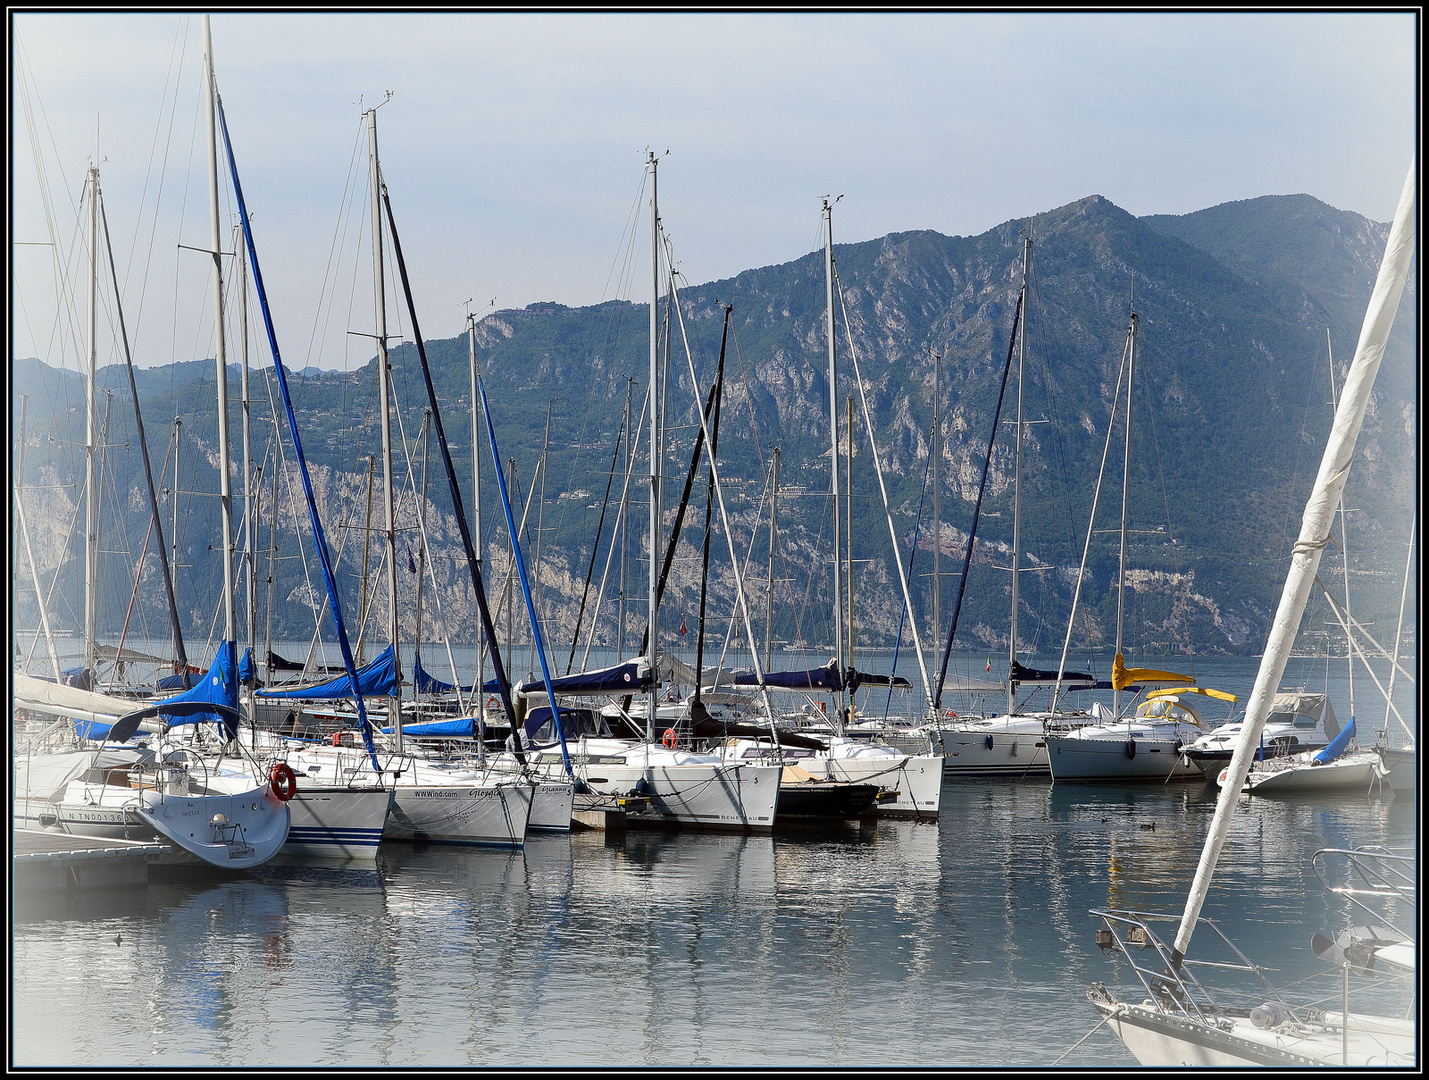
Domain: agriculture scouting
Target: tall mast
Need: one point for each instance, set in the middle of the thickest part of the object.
(833, 440)
(773, 546)
(1125, 505)
(653, 636)
(91, 440)
(225, 490)
(937, 453)
(623, 525)
(250, 496)
(1017, 483)
(848, 533)
(389, 520)
(478, 543)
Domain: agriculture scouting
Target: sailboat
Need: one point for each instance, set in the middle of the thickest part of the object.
(1012, 744)
(1180, 1022)
(653, 779)
(1336, 767)
(431, 800)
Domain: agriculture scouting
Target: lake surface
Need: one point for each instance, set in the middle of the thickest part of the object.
(962, 943)
(966, 942)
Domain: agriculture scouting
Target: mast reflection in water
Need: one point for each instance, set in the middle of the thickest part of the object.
(961, 943)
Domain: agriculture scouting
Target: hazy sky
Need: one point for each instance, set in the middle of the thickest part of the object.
(513, 145)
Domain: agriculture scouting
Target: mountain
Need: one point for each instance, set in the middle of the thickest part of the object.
(1231, 411)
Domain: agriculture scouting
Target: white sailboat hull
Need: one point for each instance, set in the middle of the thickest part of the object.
(552, 806)
(1161, 1041)
(340, 823)
(674, 788)
(1072, 758)
(491, 815)
(253, 828)
(1351, 773)
(1009, 747)
(917, 781)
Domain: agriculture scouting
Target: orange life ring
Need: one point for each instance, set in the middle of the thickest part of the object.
(283, 781)
(669, 738)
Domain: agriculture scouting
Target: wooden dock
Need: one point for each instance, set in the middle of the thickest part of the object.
(43, 861)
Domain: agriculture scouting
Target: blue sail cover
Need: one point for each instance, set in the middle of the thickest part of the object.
(461, 727)
(1337, 744)
(247, 669)
(630, 677)
(376, 679)
(827, 677)
(218, 687)
(423, 683)
(1020, 674)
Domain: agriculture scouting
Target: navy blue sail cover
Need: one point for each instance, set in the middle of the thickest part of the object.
(1021, 674)
(376, 679)
(630, 677)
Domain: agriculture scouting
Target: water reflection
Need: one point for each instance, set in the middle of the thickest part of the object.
(965, 942)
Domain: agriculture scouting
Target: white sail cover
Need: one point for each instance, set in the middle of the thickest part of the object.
(55, 699)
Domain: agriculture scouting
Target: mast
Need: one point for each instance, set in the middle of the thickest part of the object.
(828, 212)
(272, 567)
(848, 538)
(773, 542)
(477, 542)
(937, 453)
(1017, 484)
(366, 561)
(656, 402)
(623, 524)
(389, 521)
(1314, 535)
(250, 582)
(91, 441)
(230, 627)
(1125, 505)
(180, 655)
(174, 560)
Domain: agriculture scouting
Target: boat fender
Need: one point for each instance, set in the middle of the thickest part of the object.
(669, 739)
(989, 742)
(1130, 748)
(283, 781)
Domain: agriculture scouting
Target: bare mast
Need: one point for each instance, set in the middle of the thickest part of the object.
(389, 522)
(828, 211)
(230, 632)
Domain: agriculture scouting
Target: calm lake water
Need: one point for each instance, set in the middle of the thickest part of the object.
(965, 942)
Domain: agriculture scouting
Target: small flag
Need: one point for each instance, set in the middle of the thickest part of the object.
(683, 628)
(411, 566)
(989, 663)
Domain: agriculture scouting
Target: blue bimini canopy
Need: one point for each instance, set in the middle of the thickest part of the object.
(376, 679)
